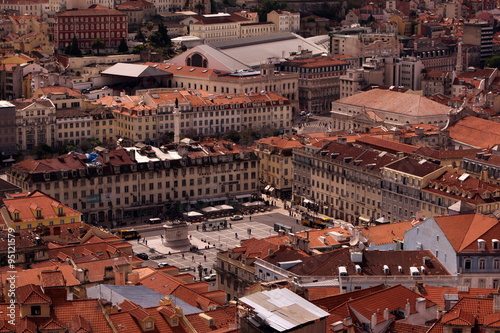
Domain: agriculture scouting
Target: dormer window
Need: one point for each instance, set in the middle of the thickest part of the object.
(495, 244)
(60, 211)
(38, 213)
(149, 325)
(17, 217)
(481, 245)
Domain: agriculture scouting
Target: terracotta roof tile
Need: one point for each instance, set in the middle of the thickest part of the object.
(386, 233)
(414, 167)
(386, 145)
(5, 327)
(476, 132)
(436, 294)
(333, 301)
(463, 230)
(24, 204)
(400, 327)
(399, 103)
(458, 317)
(52, 279)
(94, 10)
(31, 294)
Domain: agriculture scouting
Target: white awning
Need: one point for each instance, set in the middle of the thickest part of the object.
(271, 189)
(216, 199)
(308, 201)
(364, 218)
(243, 196)
(382, 220)
(193, 214)
(209, 209)
(224, 207)
(267, 188)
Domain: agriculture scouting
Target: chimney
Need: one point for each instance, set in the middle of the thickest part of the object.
(420, 304)
(105, 156)
(407, 308)
(386, 314)
(356, 256)
(348, 321)
(374, 321)
(496, 303)
(131, 152)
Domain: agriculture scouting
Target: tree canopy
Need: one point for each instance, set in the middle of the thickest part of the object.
(493, 62)
(73, 49)
(123, 47)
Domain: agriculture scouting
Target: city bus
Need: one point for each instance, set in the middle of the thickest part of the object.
(129, 234)
(316, 222)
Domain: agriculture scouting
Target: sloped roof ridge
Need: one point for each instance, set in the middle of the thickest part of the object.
(469, 239)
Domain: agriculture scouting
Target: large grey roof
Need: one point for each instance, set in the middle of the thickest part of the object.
(282, 309)
(253, 51)
(250, 52)
(133, 70)
(140, 295)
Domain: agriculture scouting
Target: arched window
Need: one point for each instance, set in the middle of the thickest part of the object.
(482, 264)
(467, 264)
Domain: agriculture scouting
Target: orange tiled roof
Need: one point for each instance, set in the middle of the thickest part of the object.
(386, 233)
(94, 10)
(399, 326)
(27, 205)
(399, 103)
(31, 294)
(333, 301)
(463, 231)
(476, 132)
(436, 294)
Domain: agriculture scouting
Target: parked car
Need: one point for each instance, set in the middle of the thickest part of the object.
(163, 264)
(236, 217)
(210, 277)
(142, 256)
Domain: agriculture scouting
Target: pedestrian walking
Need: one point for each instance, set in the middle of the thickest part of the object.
(197, 227)
(236, 235)
(205, 257)
(250, 220)
(230, 225)
(183, 256)
(192, 258)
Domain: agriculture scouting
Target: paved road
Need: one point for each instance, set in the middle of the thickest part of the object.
(211, 242)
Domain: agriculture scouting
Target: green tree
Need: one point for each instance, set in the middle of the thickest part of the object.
(200, 7)
(160, 38)
(43, 151)
(493, 62)
(138, 49)
(140, 36)
(123, 47)
(73, 49)
(98, 44)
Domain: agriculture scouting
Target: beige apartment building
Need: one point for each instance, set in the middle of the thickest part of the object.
(285, 84)
(144, 180)
(339, 180)
(275, 164)
(149, 115)
(35, 123)
(319, 81)
(285, 21)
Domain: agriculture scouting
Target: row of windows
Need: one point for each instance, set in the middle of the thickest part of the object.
(85, 19)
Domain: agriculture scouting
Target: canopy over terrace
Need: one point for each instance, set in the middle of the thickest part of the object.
(193, 214)
(134, 76)
(210, 210)
(224, 207)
